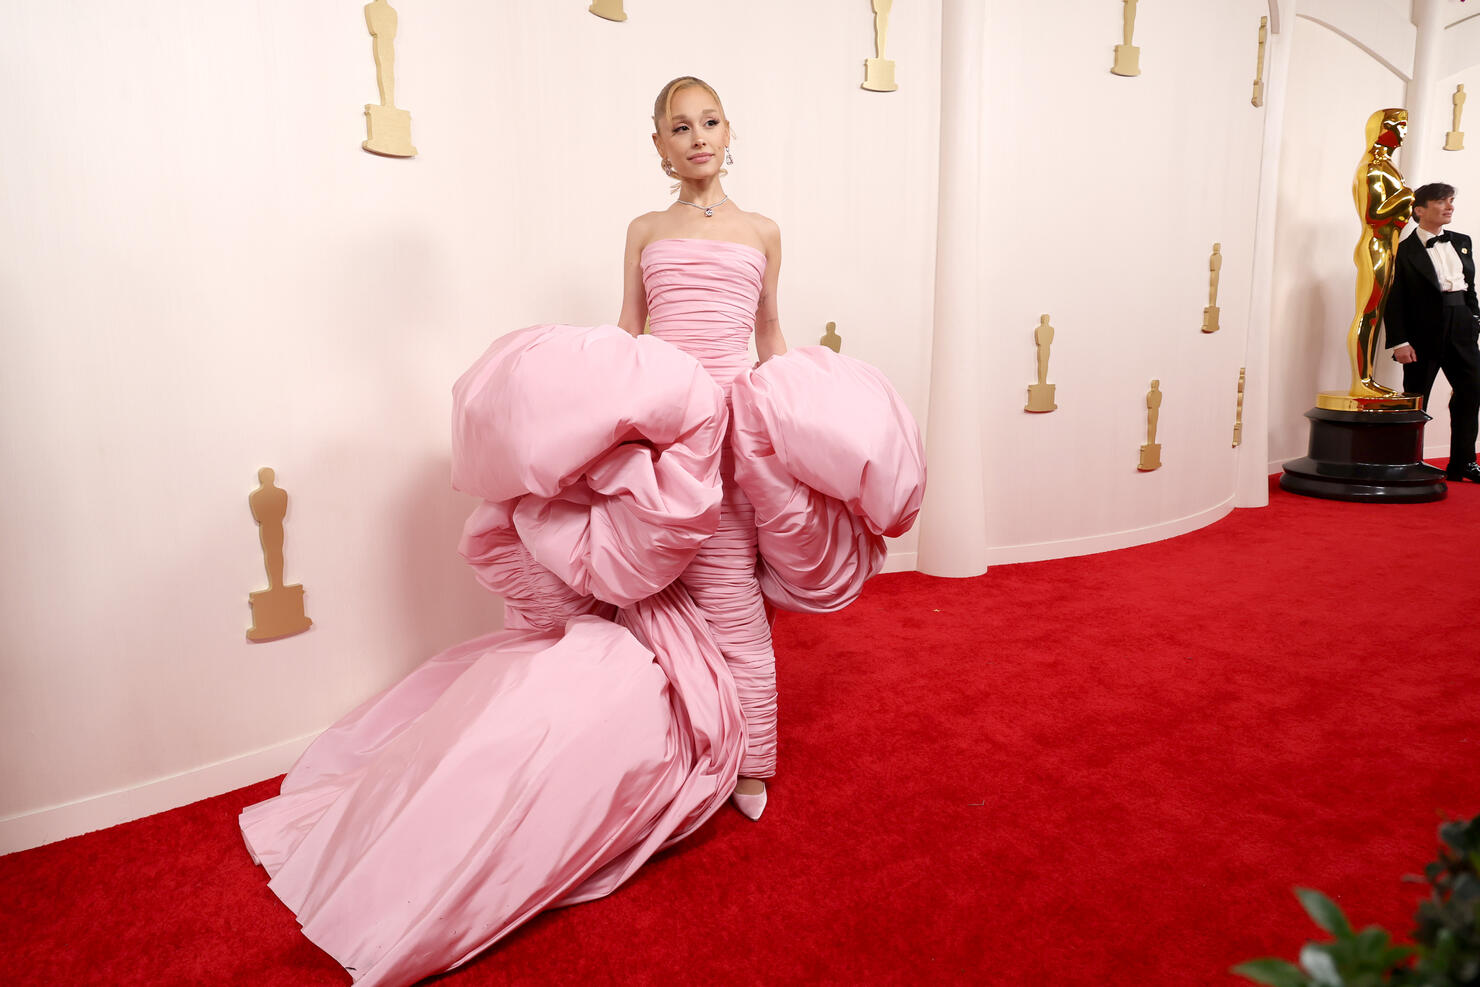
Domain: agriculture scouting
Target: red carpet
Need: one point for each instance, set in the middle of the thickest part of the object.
(1095, 771)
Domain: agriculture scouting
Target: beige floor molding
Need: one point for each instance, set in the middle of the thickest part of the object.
(1110, 541)
(40, 826)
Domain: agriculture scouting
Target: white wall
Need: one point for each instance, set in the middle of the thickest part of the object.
(1102, 199)
(207, 275)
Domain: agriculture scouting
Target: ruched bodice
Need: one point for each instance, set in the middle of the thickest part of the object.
(702, 296)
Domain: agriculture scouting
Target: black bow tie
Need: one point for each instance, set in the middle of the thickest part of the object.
(1433, 240)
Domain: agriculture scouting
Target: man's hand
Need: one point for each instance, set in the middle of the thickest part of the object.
(1404, 354)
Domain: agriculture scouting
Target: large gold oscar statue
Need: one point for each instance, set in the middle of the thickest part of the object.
(1366, 442)
(1384, 204)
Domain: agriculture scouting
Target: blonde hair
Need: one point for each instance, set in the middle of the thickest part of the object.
(664, 103)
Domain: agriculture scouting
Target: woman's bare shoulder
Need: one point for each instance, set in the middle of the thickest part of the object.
(645, 229)
(646, 222)
(766, 228)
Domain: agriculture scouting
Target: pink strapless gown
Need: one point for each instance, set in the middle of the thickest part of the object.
(627, 486)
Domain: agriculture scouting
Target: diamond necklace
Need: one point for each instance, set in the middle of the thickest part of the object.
(708, 210)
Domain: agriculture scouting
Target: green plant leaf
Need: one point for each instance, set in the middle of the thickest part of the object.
(1275, 972)
(1442, 955)
(1397, 955)
(1371, 947)
(1324, 912)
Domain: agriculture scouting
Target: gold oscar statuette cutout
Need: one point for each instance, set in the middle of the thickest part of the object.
(388, 129)
(1151, 451)
(878, 73)
(610, 10)
(1384, 204)
(277, 611)
(831, 339)
(1238, 414)
(1454, 140)
(1258, 98)
(1127, 55)
(1040, 395)
(1210, 314)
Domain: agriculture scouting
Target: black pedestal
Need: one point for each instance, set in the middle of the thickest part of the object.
(1365, 455)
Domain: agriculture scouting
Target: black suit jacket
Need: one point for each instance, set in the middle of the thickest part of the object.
(1412, 314)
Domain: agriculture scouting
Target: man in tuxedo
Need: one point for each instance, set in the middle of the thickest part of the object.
(1433, 318)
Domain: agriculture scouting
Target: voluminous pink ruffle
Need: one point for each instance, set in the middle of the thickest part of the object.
(610, 445)
(534, 597)
(832, 461)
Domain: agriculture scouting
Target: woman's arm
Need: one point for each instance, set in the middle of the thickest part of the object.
(634, 296)
(768, 339)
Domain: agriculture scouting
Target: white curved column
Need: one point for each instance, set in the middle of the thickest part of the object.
(953, 524)
(1424, 140)
(1252, 479)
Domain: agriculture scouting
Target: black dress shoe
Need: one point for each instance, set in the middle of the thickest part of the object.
(1469, 471)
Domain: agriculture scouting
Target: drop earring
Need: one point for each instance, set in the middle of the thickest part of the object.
(668, 167)
(729, 160)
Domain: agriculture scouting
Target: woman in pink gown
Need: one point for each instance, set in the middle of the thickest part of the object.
(644, 497)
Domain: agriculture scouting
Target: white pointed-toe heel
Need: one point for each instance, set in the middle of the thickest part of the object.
(751, 806)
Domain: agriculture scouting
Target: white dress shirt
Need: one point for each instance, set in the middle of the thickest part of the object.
(1445, 260)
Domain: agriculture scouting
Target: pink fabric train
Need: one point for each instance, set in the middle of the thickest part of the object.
(543, 764)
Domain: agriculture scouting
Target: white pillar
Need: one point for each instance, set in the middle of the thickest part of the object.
(953, 524)
(1424, 140)
(1251, 487)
